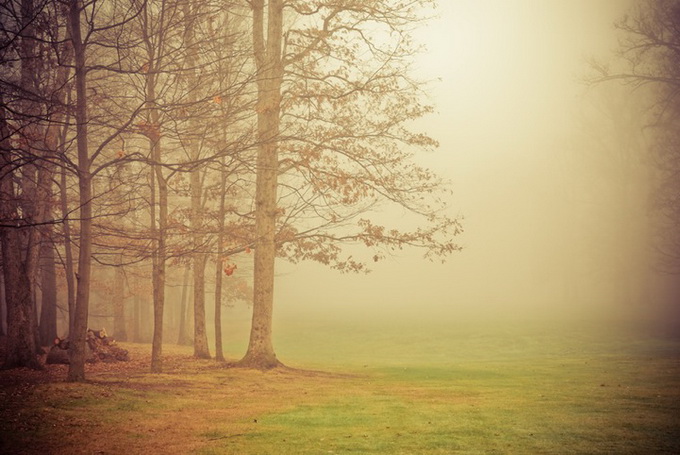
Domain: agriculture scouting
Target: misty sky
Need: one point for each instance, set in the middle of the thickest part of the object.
(507, 108)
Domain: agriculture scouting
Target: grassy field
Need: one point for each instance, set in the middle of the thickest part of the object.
(396, 390)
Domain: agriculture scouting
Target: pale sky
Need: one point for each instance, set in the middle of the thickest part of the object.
(511, 74)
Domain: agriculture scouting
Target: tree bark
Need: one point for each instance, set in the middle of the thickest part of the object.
(219, 354)
(119, 326)
(136, 323)
(21, 348)
(152, 131)
(48, 307)
(183, 338)
(69, 269)
(199, 256)
(160, 240)
(21, 243)
(201, 349)
(3, 304)
(260, 353)
(77, 351)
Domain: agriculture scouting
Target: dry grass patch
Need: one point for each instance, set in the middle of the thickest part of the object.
(124, 409)
(554, 395)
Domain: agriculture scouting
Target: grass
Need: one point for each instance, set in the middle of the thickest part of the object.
(474, 390)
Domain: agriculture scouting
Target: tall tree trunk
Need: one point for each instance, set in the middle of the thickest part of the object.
(119, 327)
(3, 302)
(54, 140)
(21, 244)
(69, 269)
(199, 256)
(48, 307)
(219, 354)
(158, 226)
(260, 353)
(77, 351)
(158, 223)
(184, 339)
(159, 264)
(136, 322)
(55, 137)
(20, 348)
(201, 349)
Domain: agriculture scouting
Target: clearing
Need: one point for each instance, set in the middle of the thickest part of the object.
(440, 391)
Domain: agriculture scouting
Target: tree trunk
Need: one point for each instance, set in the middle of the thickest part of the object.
(68, 253)
(219, 354)
(77, 350)
(21, 348)
(152, 131)
(55, 138)
(136, 323)
(160, 250)
(3, 303)
(16, 255)
(48, 308)
(184, 339)
(260, 353)
(119, 327)
(159, 269)
(201, 349)
(199, 256)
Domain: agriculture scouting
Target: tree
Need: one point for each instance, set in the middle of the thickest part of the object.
(333, 98)
(267, 49)
(30, 111)
(610, 174)
(119, 314)
(77, 351)
(199, 256)
(87, 39)
(48, 307)
(221, 213)
(183, 337)
(649, 59)
(21, 348)
(179, 80)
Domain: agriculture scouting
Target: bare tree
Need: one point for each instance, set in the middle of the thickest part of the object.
(333, 98)
(48, 306)
(31, 110)
(17, 266)
(87, 38)
(649, 60)
(185, 97)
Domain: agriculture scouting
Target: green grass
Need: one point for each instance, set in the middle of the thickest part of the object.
(428, 411)
(484, 390)
(516, 390)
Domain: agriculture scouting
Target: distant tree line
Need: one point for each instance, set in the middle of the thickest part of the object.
(649, 61)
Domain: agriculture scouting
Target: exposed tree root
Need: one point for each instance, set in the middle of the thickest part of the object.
(247, 363)
(258, 362)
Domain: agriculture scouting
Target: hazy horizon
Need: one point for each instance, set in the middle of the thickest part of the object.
(515, 123)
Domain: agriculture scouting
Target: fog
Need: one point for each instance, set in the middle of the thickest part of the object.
(530, 151)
